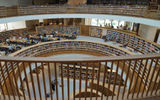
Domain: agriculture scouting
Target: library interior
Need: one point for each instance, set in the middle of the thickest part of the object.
(79, 49)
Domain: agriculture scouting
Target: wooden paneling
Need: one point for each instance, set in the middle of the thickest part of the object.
(84, 30)
(31, 24)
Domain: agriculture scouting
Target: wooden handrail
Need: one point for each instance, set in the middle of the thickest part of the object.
(79, 59)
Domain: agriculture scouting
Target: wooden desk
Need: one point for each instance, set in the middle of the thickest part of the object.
(20, 42)
(4, 47)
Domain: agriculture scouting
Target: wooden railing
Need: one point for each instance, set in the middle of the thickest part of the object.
(83, 45)
(134, 75)
(31, 78)
(49, 47)
(127, 10)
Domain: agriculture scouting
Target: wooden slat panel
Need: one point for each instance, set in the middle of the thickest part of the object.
(5, 83)
(152, 77)
(149, 70)
(86, 82)
(110, 77)
(137, 78)
(156, 78)
(26, 78)
(32, 81)
(133, 73)
(68, 87)
(115, 78)
(39, 87)
(62, 83)
(74, 81)
(9, 79)
(3, 94)
(99, 70)
(104, 77)
(55, 68)
(50, 82)
(128, 69)
(80, 75)
(15, 80)
(157, 88)
(93, 74)
(121, 80)
(44, 83)
(142, 77)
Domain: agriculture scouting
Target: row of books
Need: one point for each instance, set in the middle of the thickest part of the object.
(74, 45)
(58, 29)
(130, 10)
(134, 42)
(11, 33)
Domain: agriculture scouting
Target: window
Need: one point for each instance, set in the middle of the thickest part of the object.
(94, 22)
(3, 27)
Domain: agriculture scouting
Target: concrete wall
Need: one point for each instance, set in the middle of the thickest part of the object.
(147, 32)
(16, 25)
(8, 2)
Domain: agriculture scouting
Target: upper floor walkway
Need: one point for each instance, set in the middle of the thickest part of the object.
(142, 11)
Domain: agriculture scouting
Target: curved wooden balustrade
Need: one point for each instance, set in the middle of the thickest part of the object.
(142, 71)
(139, 66)
(137, 88)
(42, 48)
(127, 10)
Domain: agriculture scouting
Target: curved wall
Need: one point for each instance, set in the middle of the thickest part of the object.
(146, 21)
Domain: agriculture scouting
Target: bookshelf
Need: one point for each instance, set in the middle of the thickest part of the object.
(11, 33)
(60, 29)
(130, 40)
(96, 47)
(137, 10)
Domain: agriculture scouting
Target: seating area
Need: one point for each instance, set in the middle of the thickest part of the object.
(12, 41)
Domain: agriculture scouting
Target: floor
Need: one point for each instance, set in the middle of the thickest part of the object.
(48, 86)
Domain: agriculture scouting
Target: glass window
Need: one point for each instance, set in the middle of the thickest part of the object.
(101, 22)
(94, 22)
(3, 27)
(115, 23)
(107, 22)
(121, 23)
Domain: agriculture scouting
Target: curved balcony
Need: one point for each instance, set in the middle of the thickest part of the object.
(124, 10)
(95, 75)
(120, 75)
